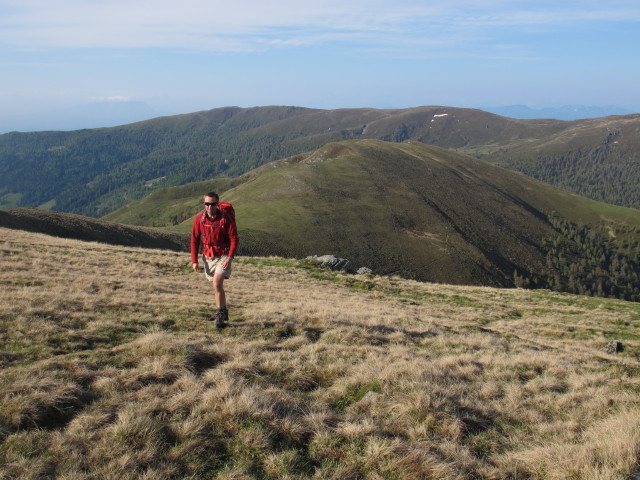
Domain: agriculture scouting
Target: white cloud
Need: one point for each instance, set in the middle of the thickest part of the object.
(247, 25)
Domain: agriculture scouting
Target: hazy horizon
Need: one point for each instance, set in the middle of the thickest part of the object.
(192, 56)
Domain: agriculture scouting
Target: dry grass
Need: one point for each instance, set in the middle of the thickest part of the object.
(110, 371)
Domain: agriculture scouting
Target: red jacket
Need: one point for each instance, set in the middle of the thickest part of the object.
(219, 236)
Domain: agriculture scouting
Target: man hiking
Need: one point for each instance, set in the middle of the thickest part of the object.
(216, 229)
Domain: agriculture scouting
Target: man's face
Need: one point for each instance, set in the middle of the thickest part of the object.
(210, 205)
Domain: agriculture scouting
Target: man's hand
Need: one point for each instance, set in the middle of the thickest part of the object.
(227, 263)
(195, 267)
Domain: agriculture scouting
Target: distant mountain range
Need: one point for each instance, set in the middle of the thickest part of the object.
(114, 113)
(95, 171)
(566, 112)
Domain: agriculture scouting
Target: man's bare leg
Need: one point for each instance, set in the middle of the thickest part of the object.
(218, 290)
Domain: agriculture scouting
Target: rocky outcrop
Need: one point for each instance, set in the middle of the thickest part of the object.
(338, 264)
(613, 347)
(332, 262)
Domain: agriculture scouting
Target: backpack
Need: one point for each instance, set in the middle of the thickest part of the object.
(227, 210)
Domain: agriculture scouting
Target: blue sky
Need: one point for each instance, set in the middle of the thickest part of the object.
(193, 55)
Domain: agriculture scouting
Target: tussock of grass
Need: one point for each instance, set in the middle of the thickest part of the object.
(111, 370)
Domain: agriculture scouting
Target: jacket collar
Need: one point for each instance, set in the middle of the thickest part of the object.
(211, 219)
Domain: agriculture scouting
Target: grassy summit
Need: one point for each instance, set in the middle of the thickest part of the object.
(109, 371)
(421, 211)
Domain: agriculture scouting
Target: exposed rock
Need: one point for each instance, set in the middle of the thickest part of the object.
(614, 346)
(332, 262)
(408, 302)
(364, 270)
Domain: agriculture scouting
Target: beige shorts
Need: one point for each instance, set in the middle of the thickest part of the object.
(214, 265)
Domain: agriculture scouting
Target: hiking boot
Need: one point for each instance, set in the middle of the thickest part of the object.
(225, 312)
(219, 319)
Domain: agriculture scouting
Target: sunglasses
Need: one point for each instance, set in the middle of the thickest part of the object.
(211, 204)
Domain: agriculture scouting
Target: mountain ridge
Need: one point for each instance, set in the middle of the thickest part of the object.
(67, 225)
(93, 172)
(421, 211)
(565, 112)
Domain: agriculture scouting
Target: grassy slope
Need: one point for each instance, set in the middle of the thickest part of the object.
(68, 225)
(426, 212)
(109, 370)
(95, 171)
(169, 206)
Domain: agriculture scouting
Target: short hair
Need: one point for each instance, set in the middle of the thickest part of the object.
(212, 195)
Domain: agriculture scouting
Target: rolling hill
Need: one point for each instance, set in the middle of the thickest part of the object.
(420, 211)
(93, 172)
